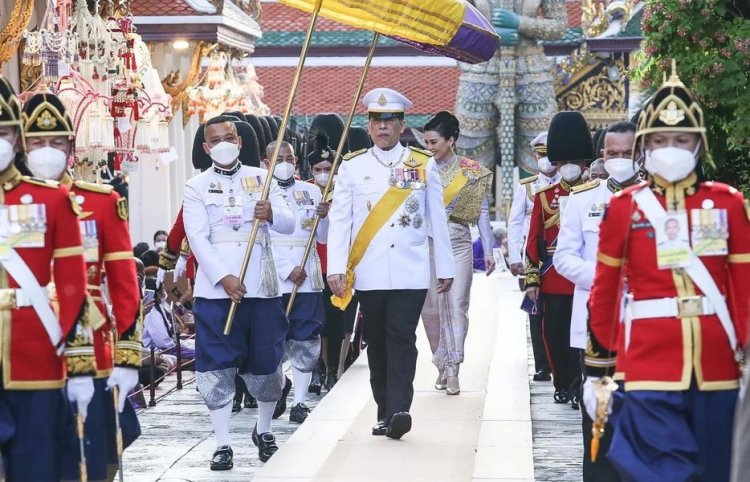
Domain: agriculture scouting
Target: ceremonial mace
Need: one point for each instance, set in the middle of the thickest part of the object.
(82, 470)
(274, 157)
(336, 161)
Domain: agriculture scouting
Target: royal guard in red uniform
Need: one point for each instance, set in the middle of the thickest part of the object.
(677, 248)
(40, 243)
(569, 148)
(108, 249)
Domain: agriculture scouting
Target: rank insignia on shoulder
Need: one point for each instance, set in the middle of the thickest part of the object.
(93, 187)
(354, 154)
(527, 180)
(122, 208)
(74, 204)
(586, 186)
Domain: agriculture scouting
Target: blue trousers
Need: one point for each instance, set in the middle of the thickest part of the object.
(307, 317)
(100, 431)
(32, 432)
(255, 344)
(680, 436)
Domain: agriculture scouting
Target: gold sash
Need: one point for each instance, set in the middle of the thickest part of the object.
(454, 187)
(380, 214)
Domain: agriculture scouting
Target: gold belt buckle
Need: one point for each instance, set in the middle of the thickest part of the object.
(689, 306)
(7, 299)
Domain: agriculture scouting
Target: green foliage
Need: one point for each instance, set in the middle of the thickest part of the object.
(710, 41)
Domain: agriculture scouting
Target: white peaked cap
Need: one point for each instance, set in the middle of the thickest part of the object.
(541, 139)
(385, 100)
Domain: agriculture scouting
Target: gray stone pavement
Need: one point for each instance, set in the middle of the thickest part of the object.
(177, 442)
(556, 432)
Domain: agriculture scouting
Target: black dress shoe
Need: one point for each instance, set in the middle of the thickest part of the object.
(223, 458)
(236, 406)
(561, 396)
(380, 428)
(400, 424)
(542, 376)
(299, 413)
(574, 403)
(281, 403)
(255, 435)
(331, 380)
(250, 402)
(266, 446)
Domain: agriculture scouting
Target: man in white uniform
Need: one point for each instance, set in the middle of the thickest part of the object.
(218, 229)
(575, 258)
(388, 199)
(518, 230)
(307, 315)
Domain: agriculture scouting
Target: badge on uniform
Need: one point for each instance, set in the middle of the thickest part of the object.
(672, 244)
(234, 216)
(410, 178)
(24, 225)
(215, 188)
(90, 241)
(252, 185)
(709, 231)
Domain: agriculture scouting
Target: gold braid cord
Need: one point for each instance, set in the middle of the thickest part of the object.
(11, 34)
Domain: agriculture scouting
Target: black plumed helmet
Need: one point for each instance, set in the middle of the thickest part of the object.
(249, 153)
(359, 138)
(259, 132)
(332, 125)
(569, 138)
(321, 151)
(273, 125)
(201, 160)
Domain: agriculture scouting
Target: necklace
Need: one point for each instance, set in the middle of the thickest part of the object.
(390, 166)
(448, 170)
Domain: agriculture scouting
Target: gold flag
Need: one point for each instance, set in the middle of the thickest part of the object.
(434, 22)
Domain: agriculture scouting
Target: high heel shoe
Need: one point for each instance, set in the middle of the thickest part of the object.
(452, 387)
(440, 382)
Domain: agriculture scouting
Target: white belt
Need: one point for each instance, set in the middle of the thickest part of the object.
(289, 242)
(16, 298)
(680, 307)
(232, 237)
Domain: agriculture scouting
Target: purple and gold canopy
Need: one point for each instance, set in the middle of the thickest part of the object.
(475, 41)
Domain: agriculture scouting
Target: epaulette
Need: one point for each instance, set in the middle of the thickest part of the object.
(421, 151)
(719, 187)
(527, 180)
(586, 186)
(354, 154)
(41, 182)
(90, 186)
(545, 188)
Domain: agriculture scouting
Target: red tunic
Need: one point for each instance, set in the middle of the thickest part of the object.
(666, 353)
(545, 225)
(29, 359)
(115, 256)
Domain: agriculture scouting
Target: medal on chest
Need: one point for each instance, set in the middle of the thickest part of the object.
(252, 187)
(22, 226)
(90, 240)
(709, 230)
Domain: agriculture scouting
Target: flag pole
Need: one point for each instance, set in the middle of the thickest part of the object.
(272, 164)
(336, 160)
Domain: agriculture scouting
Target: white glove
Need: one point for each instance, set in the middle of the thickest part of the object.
(125, 379)
(160, 276)
(80, 391)
(180, 266)
(589, 398)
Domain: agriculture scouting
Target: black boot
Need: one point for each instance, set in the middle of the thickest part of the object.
(250, 401)
(316, 383)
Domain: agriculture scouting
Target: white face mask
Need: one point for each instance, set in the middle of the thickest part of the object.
(322, 178)
(283, 171)
(671, 163)
(570, 172)
(47, 163)
(7, 154)
(160, 244)
(225, 153)
(620, 168)
(544, 165)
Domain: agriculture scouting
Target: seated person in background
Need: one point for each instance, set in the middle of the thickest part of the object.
(158, 326)
(151, 262)
(139, 249)
(500, 241)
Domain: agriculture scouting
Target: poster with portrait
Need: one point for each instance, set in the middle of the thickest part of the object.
(672, 240)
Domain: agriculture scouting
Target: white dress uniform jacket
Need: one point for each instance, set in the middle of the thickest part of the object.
(288, 249)
(218, 247)
(577, 245)
(520, 213)
(398, 256)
